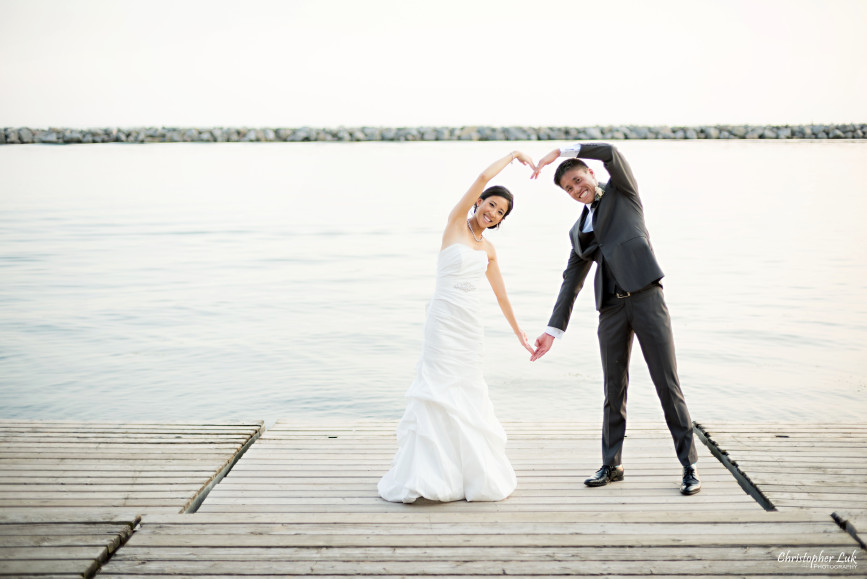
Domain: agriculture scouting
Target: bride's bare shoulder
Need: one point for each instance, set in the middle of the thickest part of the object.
(489, 249)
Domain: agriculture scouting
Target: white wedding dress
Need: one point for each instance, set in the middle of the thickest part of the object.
(450, 444)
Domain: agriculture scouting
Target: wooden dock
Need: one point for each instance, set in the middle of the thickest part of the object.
(821, 467)
(303, 501)
(150, 467)
(299, 468)
(116, 499)
(44, 543)
(71, 493)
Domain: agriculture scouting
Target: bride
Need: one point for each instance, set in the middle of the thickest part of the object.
(450, 444)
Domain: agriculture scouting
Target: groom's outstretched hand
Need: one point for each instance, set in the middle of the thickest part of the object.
(546, 160)
(543, 344)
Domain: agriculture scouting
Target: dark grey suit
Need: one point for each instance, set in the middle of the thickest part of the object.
(620, 246)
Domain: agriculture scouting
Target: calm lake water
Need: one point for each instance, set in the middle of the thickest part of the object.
(262, 281)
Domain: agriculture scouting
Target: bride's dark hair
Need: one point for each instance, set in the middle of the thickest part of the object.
(499, 191)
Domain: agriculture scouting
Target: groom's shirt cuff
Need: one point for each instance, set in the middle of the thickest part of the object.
(570, 150)
(556, 332)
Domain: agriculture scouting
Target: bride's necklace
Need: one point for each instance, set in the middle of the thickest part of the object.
(473, 233)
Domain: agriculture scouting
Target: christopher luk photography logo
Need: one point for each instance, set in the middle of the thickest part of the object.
(824, 561)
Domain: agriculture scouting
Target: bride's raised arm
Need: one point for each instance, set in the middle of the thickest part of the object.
(459, 213)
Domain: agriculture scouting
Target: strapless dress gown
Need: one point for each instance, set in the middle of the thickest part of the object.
(450, 444)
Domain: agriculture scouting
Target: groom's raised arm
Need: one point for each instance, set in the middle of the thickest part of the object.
(568, 151)
(615, 163)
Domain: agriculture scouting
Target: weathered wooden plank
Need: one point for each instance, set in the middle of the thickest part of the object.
(35, 426)
(269, 479)
(340, 558)
(387, 451)
(527, 542)
(526, 463)
(778, 540)
(56, 568)
(95, 503)
(524, 486)
(562, 567)
(66, 457)
(578, 490)
(350, 470)
(54, 538)
(595, 498)
(806, 442)
(110, 436)
(798, 468)
(470, 514)
(519, 494)
(422, 554)
(97, 467)
(27, 516)
(839, 488)
(785, 478)
(859, 498)
(95, 494)
(783, 430)
(282, 470)
(492, 556)
(248, 477)
(813, 503)
(173, 449)
(251, 534)
(8, 490)
(84, 480)
(82, 553)
(717, 575)
(636, 492)
(625, 506)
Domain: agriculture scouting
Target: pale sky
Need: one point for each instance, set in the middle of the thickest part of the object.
(449, 62)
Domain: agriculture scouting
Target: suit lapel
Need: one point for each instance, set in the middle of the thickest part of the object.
(576, 241)
(583, 219)
(576, 231)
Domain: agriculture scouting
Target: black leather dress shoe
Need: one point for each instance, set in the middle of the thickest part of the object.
(605, 475)
(691, 482)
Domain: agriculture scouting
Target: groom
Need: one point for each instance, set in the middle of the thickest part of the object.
(612, 233)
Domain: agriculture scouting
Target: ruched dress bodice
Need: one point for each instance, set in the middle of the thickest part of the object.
(460, 271)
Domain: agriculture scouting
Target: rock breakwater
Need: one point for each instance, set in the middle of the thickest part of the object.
(63, 136)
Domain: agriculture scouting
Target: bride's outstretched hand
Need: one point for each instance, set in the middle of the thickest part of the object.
(546, 160)
(525, 342)
(524, 159)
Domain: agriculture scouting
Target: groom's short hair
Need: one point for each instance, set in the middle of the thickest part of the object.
(567, 165)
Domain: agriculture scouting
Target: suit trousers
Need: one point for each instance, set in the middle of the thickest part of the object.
(644, 315)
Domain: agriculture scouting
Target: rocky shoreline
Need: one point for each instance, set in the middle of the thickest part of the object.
(63, 136)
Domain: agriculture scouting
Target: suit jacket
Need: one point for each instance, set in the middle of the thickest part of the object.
(622, 242)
